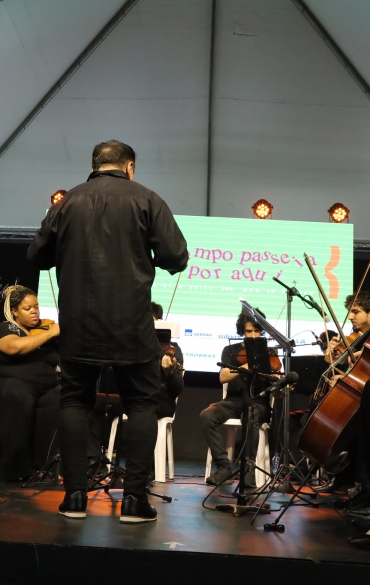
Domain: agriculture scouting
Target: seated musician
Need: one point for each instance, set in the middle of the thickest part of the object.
(359, 316)
(323, 339)
(157, 312)
(231, 407)
(29, 386)
(172, 382)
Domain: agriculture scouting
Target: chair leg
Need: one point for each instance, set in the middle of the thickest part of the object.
(208, 464)
(230, 443)
(112, 438)
(171, 464)
(160, 454)
(263, 456)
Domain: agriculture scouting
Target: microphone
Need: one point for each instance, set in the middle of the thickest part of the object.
(318, 340)
(244, 371)
(318, 309)
(291, 378)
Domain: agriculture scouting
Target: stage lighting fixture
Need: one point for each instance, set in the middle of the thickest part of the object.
(338, 212)
(262, 209)
(58, 196)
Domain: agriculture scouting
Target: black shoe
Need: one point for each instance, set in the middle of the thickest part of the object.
(250, 479)
(135, 510)
(359, 500)
(363, 523)
(219, 477)
(331, 486)
(74, 504)
(361, 541)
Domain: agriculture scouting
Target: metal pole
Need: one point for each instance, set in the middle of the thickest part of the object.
(210, 106)
(100, 37)
(333, 46)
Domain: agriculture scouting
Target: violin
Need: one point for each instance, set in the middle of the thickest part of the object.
(340, 363)
(341, 347)
(275, 363)
(42, 325)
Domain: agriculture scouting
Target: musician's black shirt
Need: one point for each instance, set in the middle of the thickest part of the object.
(236, 386)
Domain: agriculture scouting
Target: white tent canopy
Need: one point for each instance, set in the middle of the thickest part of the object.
(282, 119)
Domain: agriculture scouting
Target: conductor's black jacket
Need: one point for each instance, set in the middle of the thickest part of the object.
(105, 239)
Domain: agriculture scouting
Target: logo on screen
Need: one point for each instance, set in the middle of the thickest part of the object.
(188, 332)
(201, 355)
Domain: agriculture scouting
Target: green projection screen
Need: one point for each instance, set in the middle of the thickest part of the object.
(232, 258)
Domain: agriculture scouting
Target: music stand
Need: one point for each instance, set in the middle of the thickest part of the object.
(258, 363)
(288, 347)
(283, 341)
(284, 485)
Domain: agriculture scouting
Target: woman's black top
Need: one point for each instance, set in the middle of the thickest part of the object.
(37, 368)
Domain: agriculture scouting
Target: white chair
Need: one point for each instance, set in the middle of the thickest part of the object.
(263, 452)
(112, 437)
(164, 445)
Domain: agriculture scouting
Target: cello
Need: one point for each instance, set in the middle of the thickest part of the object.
(332, 426)
(329, 431)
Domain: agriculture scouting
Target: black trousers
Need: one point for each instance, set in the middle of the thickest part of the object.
(217, 413)
(364, 438)
(28, 420)
(138, 386)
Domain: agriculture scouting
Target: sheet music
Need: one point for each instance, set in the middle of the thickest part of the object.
(266, 326)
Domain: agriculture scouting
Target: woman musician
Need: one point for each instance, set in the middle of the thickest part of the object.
(29, 390)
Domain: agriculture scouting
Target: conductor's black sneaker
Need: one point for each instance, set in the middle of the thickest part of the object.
(74, 504)
(134, 510)
(219, 476)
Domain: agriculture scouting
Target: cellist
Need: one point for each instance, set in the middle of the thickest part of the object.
(358, 379)
(359, 315)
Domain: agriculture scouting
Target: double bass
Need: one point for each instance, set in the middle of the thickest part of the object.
(331, 428)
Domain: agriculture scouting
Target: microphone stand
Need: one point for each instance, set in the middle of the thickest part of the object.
(241, 506)
(286, 487)
(283, 473)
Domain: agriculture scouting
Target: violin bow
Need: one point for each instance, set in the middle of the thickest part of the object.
(329, 307)
(53, 292)
(173, 295)
(330, 355)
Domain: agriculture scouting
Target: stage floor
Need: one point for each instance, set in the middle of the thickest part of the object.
(317, 535)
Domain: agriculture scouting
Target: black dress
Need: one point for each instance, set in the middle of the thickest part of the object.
(29, 404)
